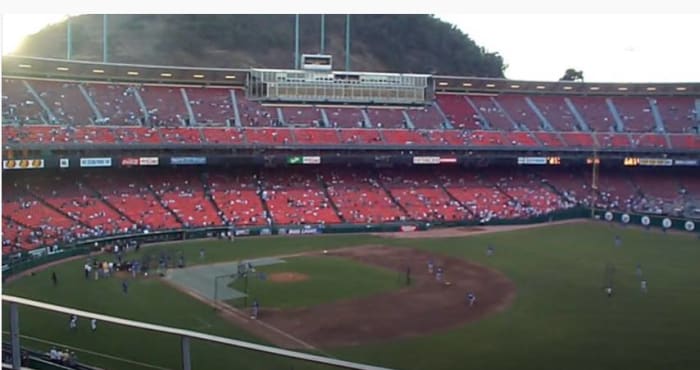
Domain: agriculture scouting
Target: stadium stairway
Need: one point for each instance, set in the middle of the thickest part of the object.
(39, 100)
(164, 205)
(266, 207)
(451, 196)
(107, 203)
(48, 204)
(391, 196)
(91, 103)
(577, 115)
(204, 177)
(324, 186)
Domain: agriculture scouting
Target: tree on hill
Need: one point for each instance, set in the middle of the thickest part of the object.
(572, 75)
(379, 42)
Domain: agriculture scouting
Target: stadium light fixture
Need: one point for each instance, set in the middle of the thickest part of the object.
(467, 84)
(594, 88)
(651, 89)
(567, 87)
(680, 88)
(198, 76)
(62, 69)
(166, 74)
(622, 88)
(442, 83)
(540, 87)
(98, 71)
(490, 85)
(230, 77)
(514, 86)
(25, 66)
(132, 73)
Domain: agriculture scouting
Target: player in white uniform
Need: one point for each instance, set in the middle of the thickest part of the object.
(644, 286)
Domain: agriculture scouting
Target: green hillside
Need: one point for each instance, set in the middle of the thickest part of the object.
(383, 43)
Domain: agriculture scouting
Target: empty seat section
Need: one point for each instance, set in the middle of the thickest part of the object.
(520, 139)
(555, 110)
(253, 113)
(297, 198)
(610, 140)
(237, 198)
(318, 136)
(132, 197)
(595, 112)
(496, 117)
(459, 112)
(137, 135)
(578, 139)
(360, 136)
(422, 197)
(211, 106)
(344, 117)
(270, 136)
(223, 135)
(181, 135)
(691, 141)
(301, 115)
(184, 194)
(65, 100)
(18, 105)
(648, 141)
(635, 113)
(360, 198)
(386, 117)
(520, 111)
(677, 112)
(165, 105)
(425, 118)
(404, 137)
(116, 102)
(549, 139)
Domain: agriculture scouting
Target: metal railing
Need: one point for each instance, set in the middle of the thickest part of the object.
(185, 335)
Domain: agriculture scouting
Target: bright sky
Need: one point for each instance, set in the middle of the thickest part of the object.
(607, 47)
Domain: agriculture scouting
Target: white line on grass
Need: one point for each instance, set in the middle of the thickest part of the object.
(90, 352)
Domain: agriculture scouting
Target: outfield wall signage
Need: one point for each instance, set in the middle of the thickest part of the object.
(685, 162)
(96, 162)
(532, 160)
(132, 161)
(426, 160)
(304, 160)
(64, 163)
(188, 160)
(148, 161)
(311, 160)
(22, 164)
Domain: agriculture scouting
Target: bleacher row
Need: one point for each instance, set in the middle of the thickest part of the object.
(41, 209)
(48, 111)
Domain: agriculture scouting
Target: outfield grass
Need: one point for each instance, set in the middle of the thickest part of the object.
(329, 279)
(561, 318)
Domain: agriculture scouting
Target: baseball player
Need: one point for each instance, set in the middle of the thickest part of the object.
(489, 250)
(439, 274)
(93, 325)
(431, 266)
(256, 310)
(471, 298)
(644, 286)
(73, 324)
(618, 241)
(609, 291)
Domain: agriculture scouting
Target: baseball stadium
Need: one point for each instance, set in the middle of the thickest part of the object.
(308, 214)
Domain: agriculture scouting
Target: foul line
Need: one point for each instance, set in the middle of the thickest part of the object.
(90, 352)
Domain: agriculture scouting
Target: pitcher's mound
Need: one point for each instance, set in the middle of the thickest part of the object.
(287, 277)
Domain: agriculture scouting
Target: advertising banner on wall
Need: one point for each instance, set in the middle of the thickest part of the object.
(148, 161)
(188, 160)
(22, 164)
(96, 162)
